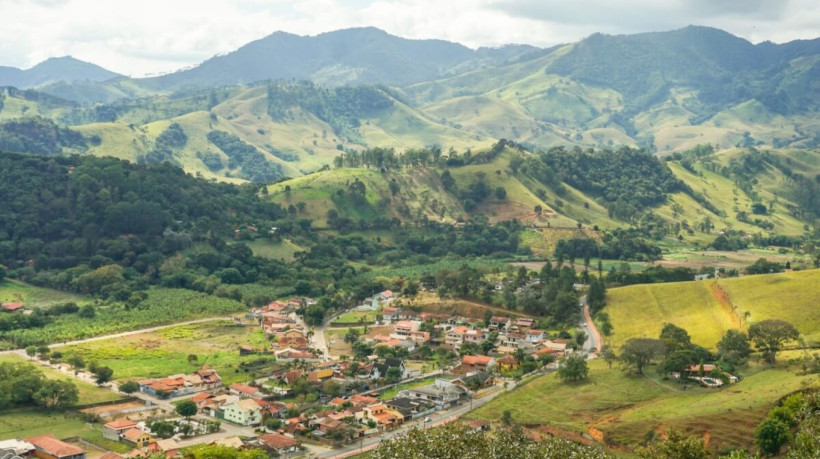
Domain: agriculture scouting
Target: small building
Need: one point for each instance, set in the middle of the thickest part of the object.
(507, 363)
(136, 437)
(49, 447)
(524, 323)
(12, 306)
(15, 448)
(245, 390)
(113, 430)
(499, 323)
(411, 408)
(280, 444)
(244, 412)
(380, 369)
(442, 393)
(470, 363)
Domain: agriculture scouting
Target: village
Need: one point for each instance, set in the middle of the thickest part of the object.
(328, 387)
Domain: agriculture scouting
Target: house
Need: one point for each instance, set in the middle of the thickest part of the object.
(136, 437)
(48, 447)
(114, 429)
(244, 412)
(455, 337)
(360, 401)
(470, 363)
(515, 340)
(383, 416)
(386, 295)
(411, 408)
(390, 314)
(279, 444)
(524, 323)
(110, 455)
(182, 384)
(475, 336)
(443, 393)
(476, 380)
(499, 323)
(320, 376)
(507, 363)
(557, 344)
(694, 370)
(404, 329)
(230, 442)
(536, 336)
(380, 369)
(243, 390)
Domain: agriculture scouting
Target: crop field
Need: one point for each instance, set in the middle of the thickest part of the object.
(641, 310)
(356, 317)
(162, 306)
(35, 297)
(166, 352)
(626, 407)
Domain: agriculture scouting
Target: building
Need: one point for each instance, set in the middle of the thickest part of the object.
(404, 329)
(244, 412)
(245, 390)
(384, 417)
(499, 323)
(12, 306)
(471, 363)
(507, 363)
(181, 384)
(455, 337)
(380, 369)
(137, 438)
(411, 408)
(48, 447)
(114, 429)
(15, 448)
(278, 443)
(443, 393)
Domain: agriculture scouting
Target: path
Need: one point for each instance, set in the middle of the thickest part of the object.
(592, 346)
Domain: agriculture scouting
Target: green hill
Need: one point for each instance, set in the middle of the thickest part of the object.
(641, 310)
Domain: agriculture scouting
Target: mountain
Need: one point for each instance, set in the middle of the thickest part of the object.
(350, 56)
(55, 70)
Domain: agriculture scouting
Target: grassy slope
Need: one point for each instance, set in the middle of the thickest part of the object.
(641, 310)
(13, 290)
(626, 407)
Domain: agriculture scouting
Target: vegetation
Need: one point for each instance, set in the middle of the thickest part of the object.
(456, 439)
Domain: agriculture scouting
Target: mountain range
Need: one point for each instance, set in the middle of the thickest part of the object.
(298, 101)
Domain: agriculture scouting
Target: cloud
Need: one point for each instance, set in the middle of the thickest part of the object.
(151, 36)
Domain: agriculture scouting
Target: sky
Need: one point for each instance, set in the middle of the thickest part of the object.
(147, 37)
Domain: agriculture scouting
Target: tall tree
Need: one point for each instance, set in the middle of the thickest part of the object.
(639, 352)
(55, 393)
(770, 335)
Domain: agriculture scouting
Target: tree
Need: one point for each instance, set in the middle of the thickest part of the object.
(163, 429)
(677, 446)
(734, 346)
(55, 393)
(331, 388)
(352, 336)
(678, 361)
(574, 368)
(770, 435)
(192, 358)
(129, 387)
(393, 375)
(608, 355)
(31, 351)
(500, 193)
(103, 375)
(639, 352)
(506, 418)
(769, 336)
(675, 338)
(186, 408)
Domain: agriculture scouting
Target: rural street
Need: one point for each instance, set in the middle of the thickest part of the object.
(592, 346)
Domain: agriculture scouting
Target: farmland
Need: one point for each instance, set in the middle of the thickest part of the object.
(36, 297)
(161, 306)
(169, 351)
(641, 310)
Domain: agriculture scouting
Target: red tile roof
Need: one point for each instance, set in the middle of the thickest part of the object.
(55, 447)
(278, 441)
(133, 434)
(13, 306)
(476, 360)
(120, 424)
(244, 388)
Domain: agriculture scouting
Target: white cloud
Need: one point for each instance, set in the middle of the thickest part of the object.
(151, 36)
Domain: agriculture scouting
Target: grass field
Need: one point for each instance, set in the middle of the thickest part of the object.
(354, 317)
(626, 407)
(165, 352)
(34, 297)
(279, 251)
(641, 310)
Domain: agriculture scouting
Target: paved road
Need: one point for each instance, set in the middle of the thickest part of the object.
(592, 346)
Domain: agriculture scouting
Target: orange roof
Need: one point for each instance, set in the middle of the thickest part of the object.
(133, 434)
(110, 455)
(278, 441)
(55, 447)
(384, 418)
(500, 319)
(244, 388)
(120, 424)
(462, 330)
(12, 306)
(507, 359)
(200, 397)
(476, 360)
